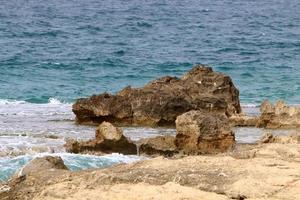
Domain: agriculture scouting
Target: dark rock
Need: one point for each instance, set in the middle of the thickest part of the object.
(201, 132)
(159, 102)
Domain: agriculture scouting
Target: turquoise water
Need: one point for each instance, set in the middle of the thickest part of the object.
(9, 166)
(68, 49)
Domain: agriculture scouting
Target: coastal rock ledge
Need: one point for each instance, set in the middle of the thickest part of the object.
(159, 102)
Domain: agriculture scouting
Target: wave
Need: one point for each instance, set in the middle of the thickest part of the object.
(249, 105)
(51, 101)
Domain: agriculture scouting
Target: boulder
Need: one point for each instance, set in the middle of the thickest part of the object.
(201, 132)
(108, 139)
(159, 102)
(161, 145)
(279, 115)
(43, 164)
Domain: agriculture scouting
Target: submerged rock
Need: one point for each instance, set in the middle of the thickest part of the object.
(279, 115)
(108, 139)
(159, 102)
(203, 132)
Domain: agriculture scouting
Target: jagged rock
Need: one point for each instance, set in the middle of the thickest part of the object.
(108, 139)
(203, 132)
(279, 115)
(159, 102)
(161, 145)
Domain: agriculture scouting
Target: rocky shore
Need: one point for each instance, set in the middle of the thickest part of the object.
(202, 161)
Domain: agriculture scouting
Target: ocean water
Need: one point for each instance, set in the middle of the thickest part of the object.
(53, 52)
(68, 49)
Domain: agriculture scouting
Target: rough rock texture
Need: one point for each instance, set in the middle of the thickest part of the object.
(39, 171)
(270, 138)
(43, 164)
(161, 145)
(108, 139)
(243, 120)
(159, 102)
(203, 132)
(270, 173)
(279, 115)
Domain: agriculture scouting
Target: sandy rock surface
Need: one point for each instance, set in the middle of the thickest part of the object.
(264, 171)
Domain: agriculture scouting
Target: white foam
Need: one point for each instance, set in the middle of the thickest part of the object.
(250, 105)
(54, 101)
(11, 102)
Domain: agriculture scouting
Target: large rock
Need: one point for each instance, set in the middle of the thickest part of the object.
(279, 115)
(159, 102)
(108, 139)
(203, 132)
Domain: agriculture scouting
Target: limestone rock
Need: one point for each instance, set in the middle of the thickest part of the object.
(108, 139)
(243, 120)
(45, 163)
(161, 145)
(159, 102)
(280, 139)
(203, 132)
(279, 115)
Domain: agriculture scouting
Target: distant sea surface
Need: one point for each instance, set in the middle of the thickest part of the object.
(68, 49)
(53, 52)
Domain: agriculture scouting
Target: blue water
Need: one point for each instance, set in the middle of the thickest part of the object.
(68, 49)
(9, 166)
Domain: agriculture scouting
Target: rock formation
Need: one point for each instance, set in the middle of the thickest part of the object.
(272, 172)
(159, 102)
(203, 132)
(161, 145)
(108, 139)
(243, 120)
(279, 115)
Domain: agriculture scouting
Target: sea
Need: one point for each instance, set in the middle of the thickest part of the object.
(53, 52)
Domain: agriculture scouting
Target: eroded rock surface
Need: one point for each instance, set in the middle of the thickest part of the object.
(161, 145)
(272, 172)
(108, 139)
(203, 132)
(279, 115)
(159, 102)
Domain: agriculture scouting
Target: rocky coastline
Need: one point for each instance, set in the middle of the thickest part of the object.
(202, 161)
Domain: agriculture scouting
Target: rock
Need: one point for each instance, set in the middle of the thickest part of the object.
(159, 102)
(203, 132)
(108, 139)
(280, 139)
(279, 115)
(243, 120)
(41, 164)
(161, 145)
